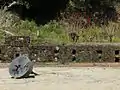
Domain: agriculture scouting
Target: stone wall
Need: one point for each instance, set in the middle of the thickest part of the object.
(90, 52)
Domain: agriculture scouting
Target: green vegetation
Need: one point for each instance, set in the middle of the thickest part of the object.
(58, 32)
(71, 28)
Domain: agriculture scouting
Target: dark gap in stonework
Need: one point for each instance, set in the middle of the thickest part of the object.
(74, 55)
(17, 55)
(99, 51)
(0, 51)
(99, 54)
(117, 52)
(117, 59)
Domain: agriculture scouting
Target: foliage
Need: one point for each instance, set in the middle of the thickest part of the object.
(57, 32)
(52, 32)
(98, 12)
(43, 10)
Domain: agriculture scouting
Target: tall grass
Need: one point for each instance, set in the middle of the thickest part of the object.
(58, 32)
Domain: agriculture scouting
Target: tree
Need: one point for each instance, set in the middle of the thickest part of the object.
(42, 10)
(98, 11)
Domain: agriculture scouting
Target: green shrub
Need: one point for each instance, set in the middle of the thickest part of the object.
(53, 32)
(56, 32)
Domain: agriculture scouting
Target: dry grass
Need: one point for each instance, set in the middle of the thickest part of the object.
(58, 32)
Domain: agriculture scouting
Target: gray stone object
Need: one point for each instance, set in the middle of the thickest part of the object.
(21, 67)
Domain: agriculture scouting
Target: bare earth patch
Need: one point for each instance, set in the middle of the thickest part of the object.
(65, 78)
(6, 65)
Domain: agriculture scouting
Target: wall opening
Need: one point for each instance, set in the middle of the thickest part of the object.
(17, 55)
(74, 59)
(117, 52)
(73, 51)
(56, 52)
(0, 51)
(100, 57)
(117, 59)
(99, 53)
(44, 50)
(74, 55)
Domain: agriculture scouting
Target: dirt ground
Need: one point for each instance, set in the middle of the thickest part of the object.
(65, 78)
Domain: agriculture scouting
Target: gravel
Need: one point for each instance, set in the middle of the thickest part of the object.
(65, 78)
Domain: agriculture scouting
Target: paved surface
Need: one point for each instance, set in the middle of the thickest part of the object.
(65, 78)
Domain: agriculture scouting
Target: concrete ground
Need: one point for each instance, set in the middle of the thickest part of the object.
(65, 78)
